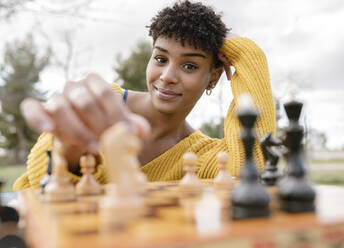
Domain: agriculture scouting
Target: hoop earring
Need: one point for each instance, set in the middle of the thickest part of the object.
(208, 91)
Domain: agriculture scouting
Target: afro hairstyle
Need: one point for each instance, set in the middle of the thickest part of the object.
(194, 23)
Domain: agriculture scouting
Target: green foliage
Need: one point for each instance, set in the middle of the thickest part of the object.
(19, 75)
(213, 129)
(329, 161)
(132, 70)
(315, 139)
(11, 173)
(331, 177)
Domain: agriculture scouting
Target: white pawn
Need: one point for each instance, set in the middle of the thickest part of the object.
(223, 179)
(190, 183)
(88, 184)
(59, 188)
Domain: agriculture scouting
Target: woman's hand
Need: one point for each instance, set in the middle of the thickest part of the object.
(226, 63)
(81, 114)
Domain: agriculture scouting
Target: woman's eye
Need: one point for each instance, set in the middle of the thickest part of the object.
(160, 59)
(190, 67)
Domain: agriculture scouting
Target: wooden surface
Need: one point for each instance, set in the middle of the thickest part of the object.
(171, 219)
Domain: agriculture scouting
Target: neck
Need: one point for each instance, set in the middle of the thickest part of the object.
(168, 124)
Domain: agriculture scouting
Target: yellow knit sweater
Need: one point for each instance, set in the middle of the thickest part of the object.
(251, 76)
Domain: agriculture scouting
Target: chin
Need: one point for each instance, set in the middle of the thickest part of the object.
(166, 108)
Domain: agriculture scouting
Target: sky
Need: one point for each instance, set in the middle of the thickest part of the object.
(302, 40)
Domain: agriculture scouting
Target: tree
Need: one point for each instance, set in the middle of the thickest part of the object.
(315, 139)
(19, 76)
(132, 70)
(82, 9)
(9, 7)
(213, 129)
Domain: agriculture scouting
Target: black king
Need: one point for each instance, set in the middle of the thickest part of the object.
(295, 192)
(249, 198)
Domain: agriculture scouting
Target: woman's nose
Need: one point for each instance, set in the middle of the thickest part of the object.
(169, 74)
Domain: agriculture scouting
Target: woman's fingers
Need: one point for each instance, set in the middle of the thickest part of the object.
(107, 98)
(228, 72)
(223, 58)
(35, 115)
(57, 117)
(68, 126)
(226, 65)
(86, 107)
(82, 113)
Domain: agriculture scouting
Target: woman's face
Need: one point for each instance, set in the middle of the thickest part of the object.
(177, 75)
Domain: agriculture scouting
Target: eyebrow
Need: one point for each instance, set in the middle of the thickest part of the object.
(184, 54)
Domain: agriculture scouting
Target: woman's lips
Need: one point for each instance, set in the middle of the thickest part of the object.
(165, 94)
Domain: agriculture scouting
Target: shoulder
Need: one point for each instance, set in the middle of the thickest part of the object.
(188, 130)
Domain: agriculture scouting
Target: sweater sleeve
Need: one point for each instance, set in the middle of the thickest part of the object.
(37, 161)
(251, 76)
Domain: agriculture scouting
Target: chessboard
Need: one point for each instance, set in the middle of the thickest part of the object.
(171, 218)
(266, 210)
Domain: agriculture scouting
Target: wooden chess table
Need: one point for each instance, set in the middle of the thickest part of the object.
(172, 219)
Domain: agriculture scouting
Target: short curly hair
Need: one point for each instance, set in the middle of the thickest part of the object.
(194, 23)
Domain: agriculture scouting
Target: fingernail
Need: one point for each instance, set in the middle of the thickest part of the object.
(93, 147)
(47, 126)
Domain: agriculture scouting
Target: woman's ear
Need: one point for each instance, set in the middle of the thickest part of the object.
(215, 76)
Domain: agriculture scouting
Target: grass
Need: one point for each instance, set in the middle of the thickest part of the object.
(10, 174)
(338, 161)
(332, 177)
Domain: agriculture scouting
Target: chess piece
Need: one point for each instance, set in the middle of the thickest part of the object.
(59, 188)
(122, 201)
(190, 183)
(47, 177)
(87, 185)
(7, 214)
(223, 180)
(12, 240)
(271, 174)
(295, 192)
(121, 149)
(249, 198)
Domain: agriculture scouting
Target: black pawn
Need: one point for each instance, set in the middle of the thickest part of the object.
(295, 192)
(249, 198)
(7, 214)
(271, 174)
(45, 180)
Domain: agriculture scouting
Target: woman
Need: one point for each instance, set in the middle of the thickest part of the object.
(191, 48)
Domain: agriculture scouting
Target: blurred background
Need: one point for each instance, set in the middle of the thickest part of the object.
(44, 43)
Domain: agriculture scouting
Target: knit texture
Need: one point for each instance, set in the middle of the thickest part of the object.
(251, 76)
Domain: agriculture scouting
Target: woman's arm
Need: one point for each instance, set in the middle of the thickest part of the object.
(251, 76)
(73, 126)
